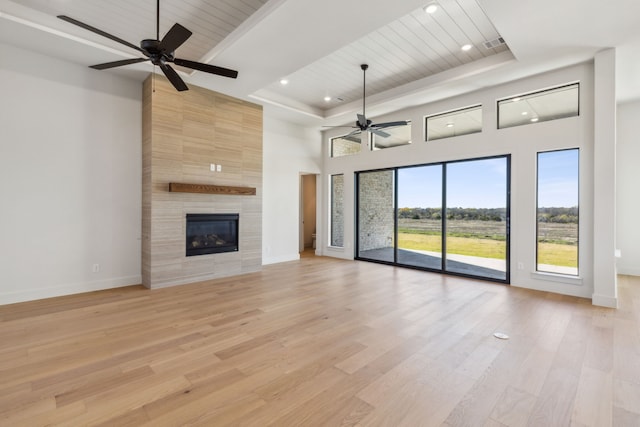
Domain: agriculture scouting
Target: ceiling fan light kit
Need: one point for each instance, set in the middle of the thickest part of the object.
(159, 52)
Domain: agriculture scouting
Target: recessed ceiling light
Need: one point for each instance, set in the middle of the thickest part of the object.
(466, 47)
(534, 119)
(515, 99)
(431, 8)
(449, 125)
(284, 82)
(327, 98)
(524, 113)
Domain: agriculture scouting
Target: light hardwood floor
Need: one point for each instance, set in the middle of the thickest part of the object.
(322, 342)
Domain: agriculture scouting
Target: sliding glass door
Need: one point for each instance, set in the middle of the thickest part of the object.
(420, 216)
(449, 217)
(476, 218)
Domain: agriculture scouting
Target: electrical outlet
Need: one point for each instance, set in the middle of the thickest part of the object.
(219, 168)
(212, 167)
(521, 266)
(96, 268)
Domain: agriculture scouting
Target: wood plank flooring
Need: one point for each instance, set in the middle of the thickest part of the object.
(322, 342)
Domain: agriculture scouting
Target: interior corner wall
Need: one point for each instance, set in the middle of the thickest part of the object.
(521, 142)
(70, 178)
(289, 150)
(627, 178)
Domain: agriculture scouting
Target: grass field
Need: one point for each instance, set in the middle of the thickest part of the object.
(557, 246)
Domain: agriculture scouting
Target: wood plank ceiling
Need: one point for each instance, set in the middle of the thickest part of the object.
(413, 47)
(210, 21)
(416, 46)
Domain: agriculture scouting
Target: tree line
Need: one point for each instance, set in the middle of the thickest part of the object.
(558, 215)
(554, 215)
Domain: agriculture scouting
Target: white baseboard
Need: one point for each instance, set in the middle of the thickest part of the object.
(76, 288)
(604, 301)
(628, 271)
(282, 258)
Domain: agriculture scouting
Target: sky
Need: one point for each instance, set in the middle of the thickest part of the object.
(482, 183)
(558, 179)
(470, 184)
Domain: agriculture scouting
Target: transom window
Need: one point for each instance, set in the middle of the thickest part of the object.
(454, 123)
(542, 106)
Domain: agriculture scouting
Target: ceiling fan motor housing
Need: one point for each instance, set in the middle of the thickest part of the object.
(150, 46)
(156, 54)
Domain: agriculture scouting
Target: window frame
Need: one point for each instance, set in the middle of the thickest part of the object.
(450, 112)
(373, 137)
(537, 231)
(442, 269)
(536, 92)
(331, 150)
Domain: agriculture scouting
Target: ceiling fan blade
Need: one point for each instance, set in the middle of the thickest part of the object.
(379, 132)
(114, 64)
(174, 38)
(391, 124)
(225, 72)
(173, 77)
(100, 32)
(362, 121)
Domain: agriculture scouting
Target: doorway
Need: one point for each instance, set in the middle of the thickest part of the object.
(307, 212)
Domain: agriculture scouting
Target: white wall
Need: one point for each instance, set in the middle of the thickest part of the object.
(521, 142)
(288, 151)
(628, 195)
(70, 178)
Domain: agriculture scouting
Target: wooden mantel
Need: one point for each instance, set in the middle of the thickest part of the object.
(178, 187)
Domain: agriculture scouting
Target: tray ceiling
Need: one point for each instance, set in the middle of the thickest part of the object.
(414, 57)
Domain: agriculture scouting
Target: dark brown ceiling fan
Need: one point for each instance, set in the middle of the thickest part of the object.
(364, 124)
(159, 52)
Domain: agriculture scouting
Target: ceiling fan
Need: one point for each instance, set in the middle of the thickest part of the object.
(159, 52)
(364, 124)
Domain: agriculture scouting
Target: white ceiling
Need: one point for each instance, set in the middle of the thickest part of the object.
(319, 45)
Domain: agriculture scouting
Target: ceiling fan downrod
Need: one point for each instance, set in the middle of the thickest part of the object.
(364, 86)
(158, 20)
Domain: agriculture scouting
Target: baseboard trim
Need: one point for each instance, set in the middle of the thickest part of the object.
(628, 271)
(76, 288)
(279, 259)
(604, 301)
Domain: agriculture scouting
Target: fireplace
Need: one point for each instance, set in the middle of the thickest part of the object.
(211, 233)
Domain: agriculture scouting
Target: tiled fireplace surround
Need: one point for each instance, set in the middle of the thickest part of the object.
(183, 134)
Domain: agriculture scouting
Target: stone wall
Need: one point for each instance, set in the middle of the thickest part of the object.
(376, 213)
(337, 211)
(344, 147)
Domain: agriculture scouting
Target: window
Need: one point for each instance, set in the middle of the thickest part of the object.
(454, 123)
(551, 104)
(557, 212)
(398, 135)
(345, 145)
(336, 237)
